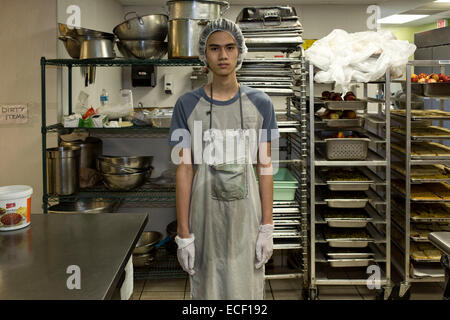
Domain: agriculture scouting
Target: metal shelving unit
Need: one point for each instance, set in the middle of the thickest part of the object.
(377, 224)
(147, 195)
(402, 218)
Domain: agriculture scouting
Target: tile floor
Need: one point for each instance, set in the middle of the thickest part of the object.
(178, 289)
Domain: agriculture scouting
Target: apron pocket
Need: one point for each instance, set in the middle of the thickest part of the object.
(230, 182)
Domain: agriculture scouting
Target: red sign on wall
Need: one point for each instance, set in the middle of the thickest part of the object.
(442, 23)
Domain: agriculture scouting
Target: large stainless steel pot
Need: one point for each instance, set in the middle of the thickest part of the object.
(183, 38)
(74, 37)
(149, 27)
(199, 9)
(63, 167)
(97, 48)
(91, 148)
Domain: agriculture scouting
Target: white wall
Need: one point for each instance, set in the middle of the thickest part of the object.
(28, 33)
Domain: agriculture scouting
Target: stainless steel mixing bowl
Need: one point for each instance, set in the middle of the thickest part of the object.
(147, 242)
(135, 162)
(149, 27)
(124, 182)
(145, 49)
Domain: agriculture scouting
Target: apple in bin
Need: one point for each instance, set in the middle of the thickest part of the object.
(422, 80)
(432, 80)
(349, 114)
(434, 76)
(422, 76)
(414, 78)
(340, 134)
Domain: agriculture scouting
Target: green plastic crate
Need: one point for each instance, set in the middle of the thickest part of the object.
(284, 185)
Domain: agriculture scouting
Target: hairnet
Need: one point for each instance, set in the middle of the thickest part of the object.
(226, 25)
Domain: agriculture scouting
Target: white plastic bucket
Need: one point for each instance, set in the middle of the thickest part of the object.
(15, 207)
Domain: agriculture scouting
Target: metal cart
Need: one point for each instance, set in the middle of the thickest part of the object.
(406, 206)
(277, 77)
(368, 247)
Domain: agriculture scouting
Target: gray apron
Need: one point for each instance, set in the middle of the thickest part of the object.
(225, 214)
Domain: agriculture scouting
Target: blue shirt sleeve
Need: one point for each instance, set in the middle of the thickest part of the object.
(270, 127)
(179, 131)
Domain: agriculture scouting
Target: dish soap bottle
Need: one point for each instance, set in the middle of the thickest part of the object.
(104, 98)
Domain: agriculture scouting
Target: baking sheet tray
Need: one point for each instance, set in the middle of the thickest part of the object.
(273, 41)
(266, 84)
(349, 255)
(264, 72)
(346, 105)
(414, 136)
(344, 123)
(423, 114)
(346, 203)
(265, 79)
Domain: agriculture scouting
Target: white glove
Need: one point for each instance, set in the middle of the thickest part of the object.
(186, 253)
(264, 245)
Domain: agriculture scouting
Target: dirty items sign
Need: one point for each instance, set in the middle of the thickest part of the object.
(13, 114)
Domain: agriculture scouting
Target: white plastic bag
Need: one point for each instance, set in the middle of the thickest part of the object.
(83, 103)
(361, 56)
(121, 110)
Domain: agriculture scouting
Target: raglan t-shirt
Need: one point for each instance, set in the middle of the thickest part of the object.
(191, 116)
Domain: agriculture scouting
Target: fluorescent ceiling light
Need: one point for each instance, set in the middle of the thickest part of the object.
(443, 1)
(401, 18)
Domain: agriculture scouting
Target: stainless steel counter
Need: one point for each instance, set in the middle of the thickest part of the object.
(34, 261)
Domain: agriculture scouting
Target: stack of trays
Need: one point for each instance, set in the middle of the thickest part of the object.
(273, 76)
(273, 28)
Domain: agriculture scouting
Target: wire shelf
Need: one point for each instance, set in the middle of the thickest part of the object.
(120, 62)
(164, 266)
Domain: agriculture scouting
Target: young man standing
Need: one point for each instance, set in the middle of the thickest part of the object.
(224, 216)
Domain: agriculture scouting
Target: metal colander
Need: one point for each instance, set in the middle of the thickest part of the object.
(347, 148)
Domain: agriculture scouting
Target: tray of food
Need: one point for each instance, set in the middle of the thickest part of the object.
(425, 252)
(430, 132)
(425, 150)
(343, 263)
(424, 173)
(423, 114)
(347, 145)
(430, 212)
(334, 101)
(346, 199)
(341, 119)
(346, 179)
(419, 231)
(426, 191)
(348, 218)
(347, 238)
